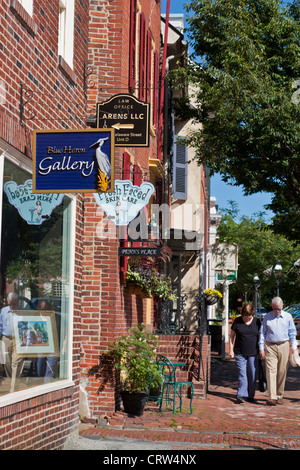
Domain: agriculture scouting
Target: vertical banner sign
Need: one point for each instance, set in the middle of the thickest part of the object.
(73, 161)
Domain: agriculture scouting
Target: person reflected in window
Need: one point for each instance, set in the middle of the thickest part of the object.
(12, 361)
(244, 347)
(47, 366)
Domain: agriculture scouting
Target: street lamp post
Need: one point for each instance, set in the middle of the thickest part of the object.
(256, 286)
(277, 274)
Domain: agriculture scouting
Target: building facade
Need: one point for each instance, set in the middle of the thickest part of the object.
(70, 68)
(44, 48)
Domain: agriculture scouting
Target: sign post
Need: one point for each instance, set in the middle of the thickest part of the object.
(225, 263)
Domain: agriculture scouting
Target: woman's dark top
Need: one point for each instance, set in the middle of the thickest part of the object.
(246, 339)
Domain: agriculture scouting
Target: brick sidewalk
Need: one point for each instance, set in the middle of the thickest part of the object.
(217, 422)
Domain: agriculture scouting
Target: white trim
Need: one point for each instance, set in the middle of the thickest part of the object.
(1, 194)
(27, 5)
(71, 283)
(66, 31)
(28, 393)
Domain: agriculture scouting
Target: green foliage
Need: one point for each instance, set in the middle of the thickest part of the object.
(258, 249)
(245, 92)
(150, 280)
(134, 355)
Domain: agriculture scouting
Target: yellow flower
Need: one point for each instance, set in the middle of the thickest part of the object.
(213, 292)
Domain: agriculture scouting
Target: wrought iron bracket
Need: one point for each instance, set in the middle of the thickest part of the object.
(87, 72)
(26, 96)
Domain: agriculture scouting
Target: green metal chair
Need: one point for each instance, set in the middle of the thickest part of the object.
(153, 394)
(171, 387)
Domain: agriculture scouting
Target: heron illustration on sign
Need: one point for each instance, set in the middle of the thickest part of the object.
(103, 164)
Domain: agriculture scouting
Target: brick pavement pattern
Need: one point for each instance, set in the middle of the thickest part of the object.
(217, 422)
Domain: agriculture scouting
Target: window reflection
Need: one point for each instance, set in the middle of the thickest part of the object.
(34, 285)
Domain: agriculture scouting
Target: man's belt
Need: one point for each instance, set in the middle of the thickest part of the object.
(278, 343)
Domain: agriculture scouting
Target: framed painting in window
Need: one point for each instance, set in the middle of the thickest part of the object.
(35, 333)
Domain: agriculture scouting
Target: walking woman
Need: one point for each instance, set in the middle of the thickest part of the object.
(244, 347)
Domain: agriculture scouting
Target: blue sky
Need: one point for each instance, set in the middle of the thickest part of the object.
(247, 205)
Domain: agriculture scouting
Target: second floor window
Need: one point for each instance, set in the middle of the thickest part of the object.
(66, 31)
(27, 5)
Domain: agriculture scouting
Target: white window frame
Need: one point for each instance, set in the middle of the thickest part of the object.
(27, 5)
(26, 394)
(66, 31)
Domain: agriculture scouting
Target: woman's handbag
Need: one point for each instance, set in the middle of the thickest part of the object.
(262, 382)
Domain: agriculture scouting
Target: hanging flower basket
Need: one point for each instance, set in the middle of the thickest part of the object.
(211, 299)
(148, 283)
(212, 296)
(134, 289)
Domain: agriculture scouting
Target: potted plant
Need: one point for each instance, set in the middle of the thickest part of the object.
(212, 296)
(134, 355)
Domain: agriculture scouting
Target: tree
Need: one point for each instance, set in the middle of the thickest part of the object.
(259, 249)
(246, 98)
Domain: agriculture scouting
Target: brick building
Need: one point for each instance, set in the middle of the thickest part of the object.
(60, 59)
(44, 49)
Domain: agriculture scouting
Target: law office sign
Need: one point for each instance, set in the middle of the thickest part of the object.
(129, 117)
(73, 160)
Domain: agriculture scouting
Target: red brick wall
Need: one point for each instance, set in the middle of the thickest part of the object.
(107, 309)
(41, 423)
(28, 49)
(29, 55)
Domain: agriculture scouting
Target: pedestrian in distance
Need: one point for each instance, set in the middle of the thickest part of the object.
(243, 346)
(277, 343)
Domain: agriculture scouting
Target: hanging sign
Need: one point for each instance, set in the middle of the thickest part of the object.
(129, 117)
(124, 204)
(34, 208)
(73, 161)
(139, 251)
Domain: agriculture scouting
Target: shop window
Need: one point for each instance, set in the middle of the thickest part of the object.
(34, 284)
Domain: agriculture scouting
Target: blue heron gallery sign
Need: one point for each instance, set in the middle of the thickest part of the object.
(34, 208)
(73, 161)
(127, 200)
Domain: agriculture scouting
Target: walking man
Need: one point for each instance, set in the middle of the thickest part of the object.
(276, 333)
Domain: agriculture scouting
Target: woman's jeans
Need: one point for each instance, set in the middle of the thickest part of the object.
(247, 366)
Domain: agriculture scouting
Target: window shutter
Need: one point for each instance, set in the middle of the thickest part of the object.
(148, 70)
(142, 57)
(124, 260)
(155, 91)
(132, 44)
(180, 170)
(137, 176)
(126, 166)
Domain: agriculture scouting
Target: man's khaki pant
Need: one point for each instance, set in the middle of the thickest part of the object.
(276, 360)
(13, 362)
